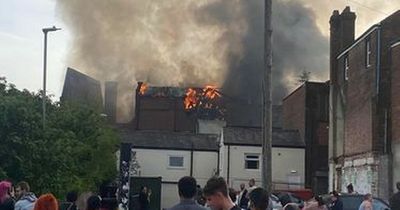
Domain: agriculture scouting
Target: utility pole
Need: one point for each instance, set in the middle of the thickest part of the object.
(267, 102)
(45, 31)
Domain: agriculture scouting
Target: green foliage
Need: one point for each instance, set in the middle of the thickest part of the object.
(75, 151)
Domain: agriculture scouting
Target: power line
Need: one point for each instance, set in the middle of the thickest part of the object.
(367, 7)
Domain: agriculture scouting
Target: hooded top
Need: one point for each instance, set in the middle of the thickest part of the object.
(26, 202)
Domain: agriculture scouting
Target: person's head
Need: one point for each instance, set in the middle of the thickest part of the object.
(143, 189)
(350, 188)
(21, 189)
(334, 195)
(368, 197)
(5, 189)
(242, 186)
(232, 194)
(46, 202)
(216, 192)
(93, 203)
(258, 199)
(252, 182)
(72, 196)
(319, 200)
(398, 186)
(187, 187)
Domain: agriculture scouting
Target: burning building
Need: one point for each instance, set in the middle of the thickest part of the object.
(176, 109)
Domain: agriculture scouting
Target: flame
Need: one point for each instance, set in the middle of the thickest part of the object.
(211, 92)
(143, 88)
(191, 99)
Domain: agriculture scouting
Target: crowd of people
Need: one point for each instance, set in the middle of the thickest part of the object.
(20, 197)
(215, 195)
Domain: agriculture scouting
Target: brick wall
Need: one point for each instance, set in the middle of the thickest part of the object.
(395, 94)
(359, 90)
(294, 111)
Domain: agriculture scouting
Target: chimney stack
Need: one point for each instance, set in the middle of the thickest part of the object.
(110, 100)
(342, 27)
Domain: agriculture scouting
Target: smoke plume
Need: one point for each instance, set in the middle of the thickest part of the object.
(192, 43)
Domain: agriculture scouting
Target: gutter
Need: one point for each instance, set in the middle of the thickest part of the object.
(365, 35)
(378, 61)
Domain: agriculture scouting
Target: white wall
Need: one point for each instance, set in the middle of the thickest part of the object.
(284, 161)
(154, 163)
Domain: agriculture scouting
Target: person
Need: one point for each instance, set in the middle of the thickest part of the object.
(70, 203)
(199, 197)
(350, 189)
(93, 202)
(258, 199)
(367, 203)
(316, 204)
(216, 193)
(394, 201)
(144, 198)
(46, 202)
(25, 199)
(337, 203)
(243, 201)
(6, 200)
(187, 191)
(252, 185)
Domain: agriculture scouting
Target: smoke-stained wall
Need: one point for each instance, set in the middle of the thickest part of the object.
(193, 42)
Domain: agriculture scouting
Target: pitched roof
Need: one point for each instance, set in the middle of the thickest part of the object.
(252, 137)
(169, 140)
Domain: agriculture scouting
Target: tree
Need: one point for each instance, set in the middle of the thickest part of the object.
(304, 77)
(74, 152)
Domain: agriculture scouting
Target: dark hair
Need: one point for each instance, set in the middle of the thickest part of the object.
(232, 194)
(72, 196)
(367, 196)
(93, 202)
(398, 186)
(319, 200)
(215, 185)
(24, 186)
(187, 187)
(259, 198)
(350, 187)
(335, 193)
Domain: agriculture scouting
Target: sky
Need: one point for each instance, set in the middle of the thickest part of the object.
(21, 38)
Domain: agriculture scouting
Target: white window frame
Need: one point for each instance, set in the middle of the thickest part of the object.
(252, 159)
(368, 53)
(346, 68)
(176, 167)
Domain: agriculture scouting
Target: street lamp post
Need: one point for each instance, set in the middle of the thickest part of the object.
(45, 31)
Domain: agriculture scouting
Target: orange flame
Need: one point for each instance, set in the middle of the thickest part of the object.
(143, 88)
(191, 99)
(211, 92)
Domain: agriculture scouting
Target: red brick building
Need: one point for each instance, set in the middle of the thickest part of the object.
(360, 104)
(306, 110)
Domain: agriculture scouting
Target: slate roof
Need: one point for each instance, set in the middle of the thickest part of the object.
(252, 137)
(169, 140)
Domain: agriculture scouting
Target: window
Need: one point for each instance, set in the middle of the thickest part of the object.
(368, 53)
(346, 68)
(176, 161)
(252, 161)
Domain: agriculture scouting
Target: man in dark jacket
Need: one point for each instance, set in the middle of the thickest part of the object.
(70, 203)
(395, 199)
(337, 203)
(187, 188)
